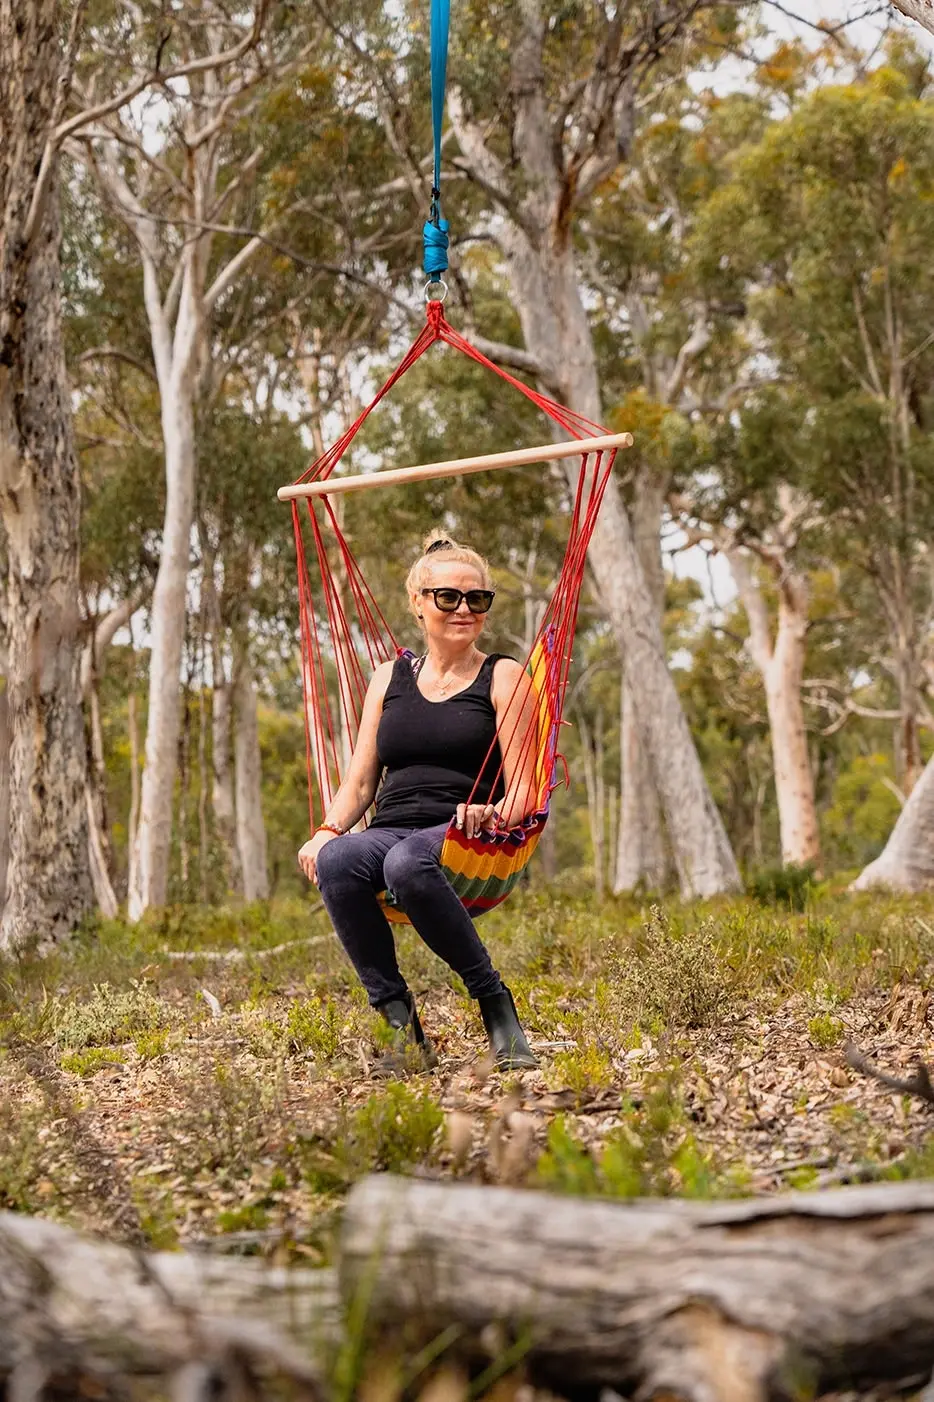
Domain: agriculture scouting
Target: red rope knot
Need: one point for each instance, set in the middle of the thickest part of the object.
(435, 313)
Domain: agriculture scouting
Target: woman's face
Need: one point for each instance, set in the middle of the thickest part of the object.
(461, 625)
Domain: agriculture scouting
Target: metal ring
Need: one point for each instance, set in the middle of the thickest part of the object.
(436, 282)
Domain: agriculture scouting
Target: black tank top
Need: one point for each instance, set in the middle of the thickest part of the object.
(432, 751)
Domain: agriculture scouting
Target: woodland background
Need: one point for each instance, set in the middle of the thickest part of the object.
(677, 218)
(751, 250)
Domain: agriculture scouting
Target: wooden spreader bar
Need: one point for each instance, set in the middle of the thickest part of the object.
(456, 467)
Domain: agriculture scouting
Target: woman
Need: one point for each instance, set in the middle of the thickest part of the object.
(427, 726)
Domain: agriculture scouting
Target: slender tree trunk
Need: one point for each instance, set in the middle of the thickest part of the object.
(132, 826)
(98, 828)
(782, 669)
(794, 779)
(48, 878)
(222, 789)
(641, 854)
(184, 789)
(154, 833)
(908, 761)
(907, 860)
(251, 829)
(592, 764)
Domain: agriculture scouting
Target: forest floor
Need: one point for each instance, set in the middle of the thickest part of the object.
(207, 1077)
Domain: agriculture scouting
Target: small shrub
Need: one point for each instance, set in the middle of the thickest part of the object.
(24, 1149)
(108, 1015)
(825, 1031)
(391, 1131)
(151, 1045)
(87, 1063)
(587, 1068)
(652, 1154)
(249, 1217)
(678, 979)
(788, 886)
(314, 1026)
(221, 1120)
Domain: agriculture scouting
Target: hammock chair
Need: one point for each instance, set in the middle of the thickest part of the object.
(347, 635)
(344, 640)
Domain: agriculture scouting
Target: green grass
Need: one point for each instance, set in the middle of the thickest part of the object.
(677, 1032)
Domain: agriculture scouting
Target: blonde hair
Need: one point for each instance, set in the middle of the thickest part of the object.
(439, 548)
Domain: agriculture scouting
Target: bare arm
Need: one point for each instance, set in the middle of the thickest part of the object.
(359, 785)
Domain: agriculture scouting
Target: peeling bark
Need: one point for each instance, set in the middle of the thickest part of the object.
(48, 878)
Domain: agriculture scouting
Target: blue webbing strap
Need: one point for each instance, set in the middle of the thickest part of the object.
(435, 232)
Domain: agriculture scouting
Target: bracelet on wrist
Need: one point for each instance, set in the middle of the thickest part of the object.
(329, 827)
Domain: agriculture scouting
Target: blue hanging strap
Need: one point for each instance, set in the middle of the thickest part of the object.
(435, 232)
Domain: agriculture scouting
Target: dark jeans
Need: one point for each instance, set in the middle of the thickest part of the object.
(353, 869)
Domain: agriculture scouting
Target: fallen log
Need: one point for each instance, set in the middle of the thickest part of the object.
(71, 1306)
(733, 1301)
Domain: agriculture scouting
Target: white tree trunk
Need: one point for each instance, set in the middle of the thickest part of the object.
(782, 669)
(555, 323)
(920, 10)
(154, 832)
(222, 787)
(48, 880)
(251, 829)
(641, 860)
(641, 854)
(907, 860)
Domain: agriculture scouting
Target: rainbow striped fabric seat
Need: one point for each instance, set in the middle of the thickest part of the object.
(483, 870)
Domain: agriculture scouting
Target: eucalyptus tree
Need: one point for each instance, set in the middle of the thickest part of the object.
(543, 112)
(826, 226)
(667, 345)
(48, 885)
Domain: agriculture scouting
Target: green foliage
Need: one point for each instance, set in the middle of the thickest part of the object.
(87, 1063)
(392, 1131)
(108, 1015)
(789, 885)
(652, 1153)
(314, 1026)
(825, 1031)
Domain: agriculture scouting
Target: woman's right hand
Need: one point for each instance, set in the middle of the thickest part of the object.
(308, 856)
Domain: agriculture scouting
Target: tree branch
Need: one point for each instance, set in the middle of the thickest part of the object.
(115, 353)
(90, 115)
(922, 11)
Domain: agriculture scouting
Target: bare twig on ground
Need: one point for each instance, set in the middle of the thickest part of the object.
(919, 1084)
(237, 956)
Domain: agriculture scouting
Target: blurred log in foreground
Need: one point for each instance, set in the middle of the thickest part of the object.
(85, 1316)
(710, 1302)
(707, 1302)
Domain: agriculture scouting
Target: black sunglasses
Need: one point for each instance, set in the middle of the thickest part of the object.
(448, 600)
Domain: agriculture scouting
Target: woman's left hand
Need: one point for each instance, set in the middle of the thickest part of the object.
(476, 817)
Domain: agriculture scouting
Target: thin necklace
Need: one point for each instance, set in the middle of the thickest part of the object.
(444, 687)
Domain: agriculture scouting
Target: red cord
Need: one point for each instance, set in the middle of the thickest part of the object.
(334, 685)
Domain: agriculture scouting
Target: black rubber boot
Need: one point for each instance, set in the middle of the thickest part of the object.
(410, 1049)
(511, 1051)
